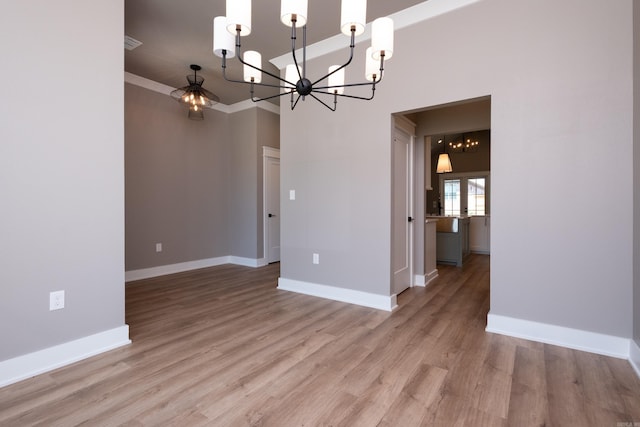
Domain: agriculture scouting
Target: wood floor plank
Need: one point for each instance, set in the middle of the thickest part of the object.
(528, 400)
(222, 346)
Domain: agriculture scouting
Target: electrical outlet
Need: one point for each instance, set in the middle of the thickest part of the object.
(56, 300)
(316, 258)
(158, 247)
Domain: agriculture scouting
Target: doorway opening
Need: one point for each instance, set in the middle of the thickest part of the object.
(470, 119)
(271, 203)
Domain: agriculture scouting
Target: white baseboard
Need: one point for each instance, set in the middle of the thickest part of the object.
(48, 359)
(634, 356)
(248, 262)
(162, 270)
(366, 299)
(479, 251)
(577, 339)
(423, 280)
(431, 276)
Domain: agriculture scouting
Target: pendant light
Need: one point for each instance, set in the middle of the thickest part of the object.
(444, 162)
(194, 95)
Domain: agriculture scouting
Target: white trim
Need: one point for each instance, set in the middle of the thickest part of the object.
(32, 364)
(577, 339)
(161, 270)
(401, 122)
(634, 356)
(248, 262)
(270, 152)
(267, 153)
(464, 176)
(401, 19)
(366, 299)
(152, 85)
(431, 276)
(248, 104)
(423, 280)
(405, 128)
(229, 109)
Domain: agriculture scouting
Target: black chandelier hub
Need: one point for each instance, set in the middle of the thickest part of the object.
(304, 87)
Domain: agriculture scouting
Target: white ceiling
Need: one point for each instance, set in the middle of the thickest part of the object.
(176, 34)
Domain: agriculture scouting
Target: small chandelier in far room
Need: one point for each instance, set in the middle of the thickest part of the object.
(466, 145)
(444, 162)
(194, 95)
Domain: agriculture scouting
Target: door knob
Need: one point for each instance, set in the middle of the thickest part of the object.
(271, 215)
(410, 219)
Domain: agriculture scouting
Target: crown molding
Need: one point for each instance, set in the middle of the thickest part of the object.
(404, 18)
(248, 104)
(154, 86)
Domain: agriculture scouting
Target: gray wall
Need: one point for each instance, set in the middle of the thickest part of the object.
(243, 183)
(194, 186)
(268, 136)
(547, 127)
(636, 169)
(61, 172)
(176, 181)
(250, 130)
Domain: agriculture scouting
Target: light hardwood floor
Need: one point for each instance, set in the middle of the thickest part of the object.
(223, 347)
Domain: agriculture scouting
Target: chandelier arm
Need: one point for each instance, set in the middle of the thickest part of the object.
(324, 103)
(364, 98)
(293, 104)
(351, 46)
(239, 56)
(372, 83)
(268, 97)
(224, 74)
(348, 85)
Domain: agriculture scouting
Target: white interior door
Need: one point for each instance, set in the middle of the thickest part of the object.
(272, 208)
(402, 219)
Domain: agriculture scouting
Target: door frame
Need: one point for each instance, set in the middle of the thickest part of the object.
(408, 127)
(268, 153)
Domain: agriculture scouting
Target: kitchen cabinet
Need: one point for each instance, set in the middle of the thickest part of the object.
(430, 268)
(480, 234)
(452, 239)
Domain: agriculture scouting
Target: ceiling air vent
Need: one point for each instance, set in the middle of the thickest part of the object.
(130, 43)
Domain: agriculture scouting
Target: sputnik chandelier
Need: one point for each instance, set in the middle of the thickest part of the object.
(296, 83)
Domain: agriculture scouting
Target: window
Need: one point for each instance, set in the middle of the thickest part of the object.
(475, 196)
(451, 197)
(465, 194)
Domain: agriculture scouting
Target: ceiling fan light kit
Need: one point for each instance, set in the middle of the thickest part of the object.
(228, 31)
